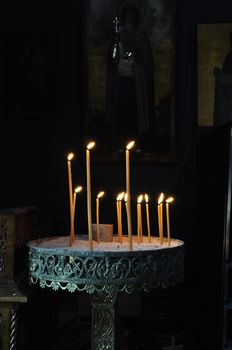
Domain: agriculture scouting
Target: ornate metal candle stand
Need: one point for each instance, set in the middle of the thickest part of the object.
(103, 273)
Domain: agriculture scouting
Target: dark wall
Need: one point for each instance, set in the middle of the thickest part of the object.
(33, 152)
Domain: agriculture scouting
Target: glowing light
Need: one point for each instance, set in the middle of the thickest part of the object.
(139, 199)
(170, 200)
(161, 198)
(70, 156)
(130, 145)
(78, 189)
(120, 196)
(146, 198)
(90, 145)
(100, 194)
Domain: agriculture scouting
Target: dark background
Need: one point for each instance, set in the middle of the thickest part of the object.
(33, 152)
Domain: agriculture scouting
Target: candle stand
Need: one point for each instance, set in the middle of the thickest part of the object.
(102, 273)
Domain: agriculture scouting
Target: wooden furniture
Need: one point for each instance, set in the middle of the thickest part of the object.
(16, 226)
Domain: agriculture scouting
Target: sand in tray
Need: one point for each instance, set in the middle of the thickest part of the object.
(81, 244)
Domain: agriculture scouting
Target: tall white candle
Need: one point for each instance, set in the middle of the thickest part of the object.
(160, 216)
(129, 226)
(148, 218)
(69, 158)
(119, 215)
(118, 219)
(138, 224)
(100, 194)
(139, 219)
(161, 223)
(89, 210)
(77, 189)
(169, 200)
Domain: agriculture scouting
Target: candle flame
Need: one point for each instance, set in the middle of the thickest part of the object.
(120, 196)
(169, 200)
(90, 145)
(146, 198)
(78, 189)
(140, 198)
(70, 156)
(130, 145)
(161, 198)
(100, 194)
(125, 197)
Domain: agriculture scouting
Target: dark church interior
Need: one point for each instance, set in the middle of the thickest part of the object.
(37, 132)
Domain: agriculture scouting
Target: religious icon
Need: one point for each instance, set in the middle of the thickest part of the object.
(130, 50)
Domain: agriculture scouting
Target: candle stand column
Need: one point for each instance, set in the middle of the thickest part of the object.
(103, 319)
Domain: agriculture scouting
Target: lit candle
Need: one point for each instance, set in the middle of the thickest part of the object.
(77, 189)
(138, 224)
(125, 201)
(129, 226)
(118, 220)
(139, 219)
(169, 200)
(69, 158)
(100, 194)
(119, 215)
(160, 216)
(148, 218)
(89, 210)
